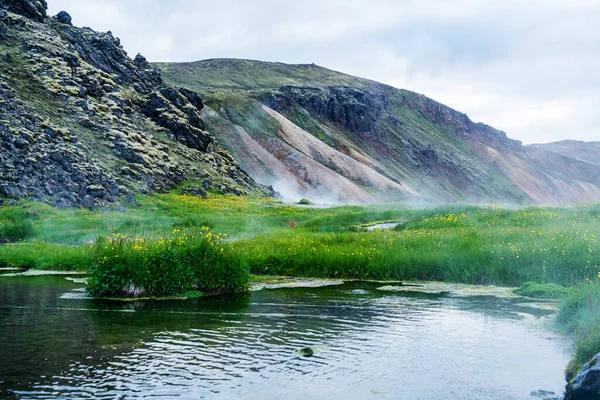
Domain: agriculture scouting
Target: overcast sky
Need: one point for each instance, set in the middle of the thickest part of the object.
(530, 68)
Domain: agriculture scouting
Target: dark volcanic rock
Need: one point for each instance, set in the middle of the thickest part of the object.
(105, 52)
(586, 385)
(172, 110)
(64, 17)
(34, 9)
(3, 31)
(355, 109)
(119, 129)
(195, 191)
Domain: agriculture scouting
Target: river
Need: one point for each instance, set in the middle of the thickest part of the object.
(368, 344)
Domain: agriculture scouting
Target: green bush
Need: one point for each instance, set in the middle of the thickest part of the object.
(129, 266)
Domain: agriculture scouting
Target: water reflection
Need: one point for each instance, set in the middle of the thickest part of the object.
(403, 345)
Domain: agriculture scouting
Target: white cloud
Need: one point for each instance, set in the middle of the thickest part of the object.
(529, 67)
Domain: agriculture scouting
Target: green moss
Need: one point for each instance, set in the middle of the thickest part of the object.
(541, 290)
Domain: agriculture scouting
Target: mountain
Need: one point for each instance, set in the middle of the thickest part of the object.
(83, 124)
(313, 132)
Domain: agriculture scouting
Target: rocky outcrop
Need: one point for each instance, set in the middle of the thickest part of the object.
(47, 163)
(171, 108)
(458, 122)
(34, 9)
(586, 385)
(357, 110)
(83, 124)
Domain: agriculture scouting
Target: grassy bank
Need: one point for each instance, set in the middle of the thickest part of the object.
(579, 316)
(489, 245)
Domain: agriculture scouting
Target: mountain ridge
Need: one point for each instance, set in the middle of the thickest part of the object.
(409, 138)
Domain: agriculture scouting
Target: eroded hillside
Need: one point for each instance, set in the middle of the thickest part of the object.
(311, 131)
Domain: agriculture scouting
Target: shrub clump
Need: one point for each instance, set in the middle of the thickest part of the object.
(130, 266)
(305, 202)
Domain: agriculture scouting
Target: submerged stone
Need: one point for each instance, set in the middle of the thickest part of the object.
(306, 352)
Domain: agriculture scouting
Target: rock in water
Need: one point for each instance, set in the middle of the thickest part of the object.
(545, 395)
(306, 352)
(586, 385)
(64, 17)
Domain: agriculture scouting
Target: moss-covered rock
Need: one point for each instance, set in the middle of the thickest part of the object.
(85, 125)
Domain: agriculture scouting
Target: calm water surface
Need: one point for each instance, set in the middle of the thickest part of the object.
(373, 345)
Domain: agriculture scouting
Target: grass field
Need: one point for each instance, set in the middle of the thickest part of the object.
(469, 244)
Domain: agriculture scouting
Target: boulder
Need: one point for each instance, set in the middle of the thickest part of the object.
(306, 352)
(586, 385)
(194, 191)
(64, 17)
(88, 202)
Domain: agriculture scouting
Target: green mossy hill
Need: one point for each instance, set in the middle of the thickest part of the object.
(238, 74)
(81, 123)
(388, 142)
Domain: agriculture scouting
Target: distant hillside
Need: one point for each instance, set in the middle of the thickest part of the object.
(235, 74)
(81, 123)
(588, 152)
(314, 132)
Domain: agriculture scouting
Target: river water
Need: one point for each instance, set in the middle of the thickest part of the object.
(368, 344)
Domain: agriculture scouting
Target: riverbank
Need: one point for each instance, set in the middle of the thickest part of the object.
(466, 244)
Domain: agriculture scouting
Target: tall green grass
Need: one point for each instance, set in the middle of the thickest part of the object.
(471, 245)
(46, 256)
(579, 316)
(14, 225)
(130, 266)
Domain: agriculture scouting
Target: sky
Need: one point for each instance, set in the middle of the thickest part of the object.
(528, 67)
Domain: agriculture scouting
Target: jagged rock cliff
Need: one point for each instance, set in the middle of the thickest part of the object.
(83, 124)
